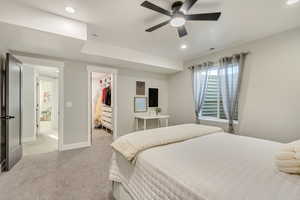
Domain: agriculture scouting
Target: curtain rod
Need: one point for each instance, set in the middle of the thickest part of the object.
(248, 52)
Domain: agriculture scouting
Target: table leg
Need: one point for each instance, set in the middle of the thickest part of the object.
(145, 124)
(167, 122)
(136, 124)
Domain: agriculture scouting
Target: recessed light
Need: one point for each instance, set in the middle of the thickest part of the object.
(183, 46)
(291, 2)
(70, 9)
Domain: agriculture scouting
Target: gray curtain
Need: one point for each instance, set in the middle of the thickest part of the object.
(199, 80)
(230, 79)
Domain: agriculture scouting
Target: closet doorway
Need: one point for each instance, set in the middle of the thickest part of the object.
(102, 103)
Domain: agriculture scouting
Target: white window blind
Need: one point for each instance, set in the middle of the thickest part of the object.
(212, 106)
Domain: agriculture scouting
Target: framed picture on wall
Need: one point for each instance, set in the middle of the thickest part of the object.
(140, 88)
(140, 104)
(153, 97)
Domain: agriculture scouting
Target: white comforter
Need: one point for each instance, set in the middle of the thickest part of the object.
(131, 144)
(214, 167)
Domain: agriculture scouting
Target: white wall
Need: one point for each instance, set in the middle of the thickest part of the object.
(75, 91)
(269, 103)
(28, 113)
(126, 92)
(181, 105)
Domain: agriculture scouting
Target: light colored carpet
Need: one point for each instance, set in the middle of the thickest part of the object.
(44, 144)
(70, 175)
(46, 141)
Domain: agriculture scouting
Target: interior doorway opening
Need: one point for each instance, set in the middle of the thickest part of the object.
(41, 109)
(102, 105)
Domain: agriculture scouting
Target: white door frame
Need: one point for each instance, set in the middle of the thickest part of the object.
(60, 102)
(36, 104)
(114, 73)
(61, 108)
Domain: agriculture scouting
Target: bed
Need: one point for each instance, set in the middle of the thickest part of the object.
(218, 166)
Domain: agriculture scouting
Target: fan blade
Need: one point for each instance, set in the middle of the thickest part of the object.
(186, 6)
(204, 17)
(156, 8)
(182, 31)
(153, 28)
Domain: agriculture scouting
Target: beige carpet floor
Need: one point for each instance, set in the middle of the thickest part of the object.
(43, 144)
(80, 174)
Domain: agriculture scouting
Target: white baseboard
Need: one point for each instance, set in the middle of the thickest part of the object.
(79, 145)
(28, 139)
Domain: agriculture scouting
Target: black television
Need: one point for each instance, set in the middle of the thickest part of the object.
(153, 97)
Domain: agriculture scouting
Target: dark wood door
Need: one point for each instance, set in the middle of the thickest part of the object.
(2, 128)
(11, 118)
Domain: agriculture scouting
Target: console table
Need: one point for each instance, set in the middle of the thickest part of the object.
(146, 117)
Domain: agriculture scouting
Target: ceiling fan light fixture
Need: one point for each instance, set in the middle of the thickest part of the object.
(178, 15)
(177, 21)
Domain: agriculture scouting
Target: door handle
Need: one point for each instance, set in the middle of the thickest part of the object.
(7, 117)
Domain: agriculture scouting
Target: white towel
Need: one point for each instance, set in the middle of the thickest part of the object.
(290, 170)
(285, 155)
(288, 158)
(291, 147)
(288, 163)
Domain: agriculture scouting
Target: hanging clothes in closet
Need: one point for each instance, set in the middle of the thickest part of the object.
(106, 96)
(98, 112)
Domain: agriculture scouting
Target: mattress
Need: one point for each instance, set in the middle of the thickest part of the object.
(219, 166)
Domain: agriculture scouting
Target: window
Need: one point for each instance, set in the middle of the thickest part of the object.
(213, 105)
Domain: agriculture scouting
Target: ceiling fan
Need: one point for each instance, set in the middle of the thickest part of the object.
(178, 15)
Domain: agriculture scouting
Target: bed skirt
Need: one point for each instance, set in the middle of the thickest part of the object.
(119, 192)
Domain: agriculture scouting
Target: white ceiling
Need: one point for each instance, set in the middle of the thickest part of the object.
(42, 46)
(122, 23)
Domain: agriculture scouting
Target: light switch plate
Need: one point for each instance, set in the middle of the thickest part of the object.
(69, 104)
